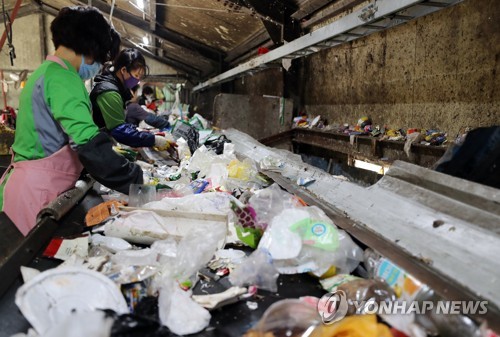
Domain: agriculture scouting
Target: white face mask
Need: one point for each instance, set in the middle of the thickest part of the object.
(149, 98)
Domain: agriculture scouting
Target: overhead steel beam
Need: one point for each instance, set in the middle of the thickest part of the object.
(384, 10)
(249, 44)
(308, 7)
(159, 31)
(168, 61)
(338, 7)
(152, 15)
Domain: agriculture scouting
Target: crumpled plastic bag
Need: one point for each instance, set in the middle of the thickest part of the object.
(203, 158)
(304, 240)
(181, 314)
(257, 269)
(196, 249)
(270, 202)
(183, 149)
(242, 170)
(146, 227)
(208, 202)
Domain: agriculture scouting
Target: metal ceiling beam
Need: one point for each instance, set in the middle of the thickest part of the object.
(159, 31)
(308, 7)
(43, 8)
(250, 44)
(337, 8)
(165, 60)
(152, 15)
(384, 11)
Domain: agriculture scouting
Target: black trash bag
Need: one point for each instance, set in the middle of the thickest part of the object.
(477, 159)
(188, 132)
(217, 144)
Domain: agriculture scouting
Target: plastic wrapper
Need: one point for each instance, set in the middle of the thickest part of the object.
(134, 293)
(110, 243)
(146, 227)
(208, 202)
(140, 257)
(217, 174)
(247, 228)
(203, 158)
(123, 274)
(271, 163)
(183, 149)
(270, 202)
(181, 314)
(405, 285)
(305, 240)
(166, 249)
(257, 269)
(244, 170)
(196, 249)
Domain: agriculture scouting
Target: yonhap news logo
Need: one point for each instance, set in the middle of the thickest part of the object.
(334, 306)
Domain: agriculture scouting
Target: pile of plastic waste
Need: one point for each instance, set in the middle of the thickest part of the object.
(214, 216)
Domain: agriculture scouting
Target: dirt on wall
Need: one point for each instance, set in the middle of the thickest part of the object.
(439, 71)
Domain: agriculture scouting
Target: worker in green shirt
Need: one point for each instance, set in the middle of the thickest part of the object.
(56, 137)
(112, 90)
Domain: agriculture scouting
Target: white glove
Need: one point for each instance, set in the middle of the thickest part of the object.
(161, 143)
(169, 137)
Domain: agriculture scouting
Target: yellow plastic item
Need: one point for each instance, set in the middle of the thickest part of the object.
(356, 326)
(332, 271)
(239, 170)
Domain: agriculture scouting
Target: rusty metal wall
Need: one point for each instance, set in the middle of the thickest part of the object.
(267, 82)
(256, 115)
(440, 71)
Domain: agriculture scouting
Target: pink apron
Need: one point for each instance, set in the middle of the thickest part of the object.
(35, 183)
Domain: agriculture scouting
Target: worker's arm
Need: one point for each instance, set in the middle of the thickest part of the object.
(135, 114)
(109, 168)
(111, 105)
(128, 134)
(156, 121)
(70, 105)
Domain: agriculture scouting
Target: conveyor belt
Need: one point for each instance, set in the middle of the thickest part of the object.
(398, 216)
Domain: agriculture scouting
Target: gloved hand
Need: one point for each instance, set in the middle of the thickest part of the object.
(161, 143)
(167, 135)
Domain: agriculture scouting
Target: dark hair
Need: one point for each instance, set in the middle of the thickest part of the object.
(135, 88)
(131, 59)
(86, 31)
(147, 90)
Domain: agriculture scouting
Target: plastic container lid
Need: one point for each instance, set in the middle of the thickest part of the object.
(52, 296)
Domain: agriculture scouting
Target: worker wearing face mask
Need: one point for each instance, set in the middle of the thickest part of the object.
(112, 90)
(147, 98)
(56, 137)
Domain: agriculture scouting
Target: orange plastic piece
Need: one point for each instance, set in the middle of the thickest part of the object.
(101, 212)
